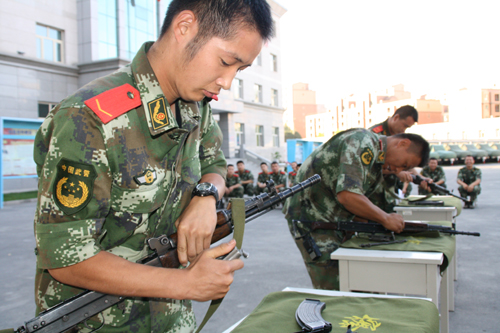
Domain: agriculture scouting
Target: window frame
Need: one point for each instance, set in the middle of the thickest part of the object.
(259, 135)
(40, 39)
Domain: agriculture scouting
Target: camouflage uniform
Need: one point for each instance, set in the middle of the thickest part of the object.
(111, 186)
(237, 192)
(279, 178)
(292, 178)
(262, 178)
(350, 161)
(435, 175)
(468, 177)
(247, 188)
(382, 128)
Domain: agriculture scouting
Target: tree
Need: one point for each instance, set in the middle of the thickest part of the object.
(291, 135)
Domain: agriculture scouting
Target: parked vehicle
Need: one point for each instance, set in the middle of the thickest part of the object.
(444, 155)
(493, 153)
(476, 153)
(459, 151)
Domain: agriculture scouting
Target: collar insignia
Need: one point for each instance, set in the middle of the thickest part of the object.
(148, 177)
(158, 113)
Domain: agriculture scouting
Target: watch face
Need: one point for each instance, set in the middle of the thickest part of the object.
(204, 186)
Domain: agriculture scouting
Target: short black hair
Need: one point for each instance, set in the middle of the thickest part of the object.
(230, 165)
(274, 163)
(407, 111)
(419, 146)
(299, 164)
(263, 163)
(222, 18)
(469, 156)
(240, 161)
(432, 159)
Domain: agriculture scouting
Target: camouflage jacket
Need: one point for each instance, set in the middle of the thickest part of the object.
(292, 177)
(382, 128)
(435, 175)
(469, 176)
(233, 180)
(110, 185)
(263, 177)
(245, 175)
(278, 178)
(350, 161)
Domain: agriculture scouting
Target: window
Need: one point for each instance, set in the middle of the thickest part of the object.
(259, 59)
(497, 108)
(497, 97)
(238, 89)
(274, 97)
(141, 23)
(276, 136)
(48, 43)
(239, 129)
(259, 135)
(44, 108)
(257, 93)
(274, 62)
(108, 38)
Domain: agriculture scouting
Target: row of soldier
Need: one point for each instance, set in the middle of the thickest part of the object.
(240, 182)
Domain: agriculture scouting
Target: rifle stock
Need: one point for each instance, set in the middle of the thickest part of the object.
(81, 307)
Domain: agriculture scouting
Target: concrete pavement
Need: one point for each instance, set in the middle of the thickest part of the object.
(275, 263)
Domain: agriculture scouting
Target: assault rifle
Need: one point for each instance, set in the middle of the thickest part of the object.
(80, 308)
(436, 189)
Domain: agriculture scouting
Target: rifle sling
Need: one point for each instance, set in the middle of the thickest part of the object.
(238, 215)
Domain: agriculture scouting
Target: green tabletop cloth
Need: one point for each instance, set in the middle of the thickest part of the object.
(449, 201)
(276, 313)
(420, 242)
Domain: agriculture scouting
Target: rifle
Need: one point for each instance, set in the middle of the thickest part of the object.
(411, 227)
(81, 307)
(436, 189)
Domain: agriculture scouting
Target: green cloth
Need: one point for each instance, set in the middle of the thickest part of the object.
(449, 201)
(276, 313)
(421, 242)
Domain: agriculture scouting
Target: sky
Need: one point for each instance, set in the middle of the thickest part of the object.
(342, 47)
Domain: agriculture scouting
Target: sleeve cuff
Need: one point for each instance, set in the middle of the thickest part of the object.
(65, 244)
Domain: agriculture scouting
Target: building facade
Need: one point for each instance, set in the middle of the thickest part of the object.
(304, 104)
(49, 49)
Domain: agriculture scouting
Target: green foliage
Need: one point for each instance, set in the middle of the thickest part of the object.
(291, 135)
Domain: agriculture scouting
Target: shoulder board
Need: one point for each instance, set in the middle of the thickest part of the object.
(236, 172)
(115, 102)
(283, 172)
(378, 129)
(293, 173)
(270, 173)
(260, 173)
(235, 176)
(247, 171)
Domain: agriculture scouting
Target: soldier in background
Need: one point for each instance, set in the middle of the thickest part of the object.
(434, 172)
(262, 178)
(350, 165)
(401, 120)
(137, 154)
(246, 178)
(469, 179)
(292, 174)
(234, 189)
(278, 176)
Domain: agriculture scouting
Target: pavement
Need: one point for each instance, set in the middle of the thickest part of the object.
(275, 263)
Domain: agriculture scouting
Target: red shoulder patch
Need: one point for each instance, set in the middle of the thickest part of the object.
(260, 173)
(247, 171)
(378, 129)
(270, 173)
(115, 102)
(236, 172)
(235, 176)
(283, 172)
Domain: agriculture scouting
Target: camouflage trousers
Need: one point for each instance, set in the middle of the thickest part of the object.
(236, 193)
(248, 189)
(473, 194)
(323, 272)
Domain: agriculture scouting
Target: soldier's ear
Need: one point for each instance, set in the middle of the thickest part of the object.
(404, 143)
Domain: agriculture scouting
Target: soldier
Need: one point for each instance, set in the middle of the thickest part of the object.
(434, 172)
(469, 178)
(350, 165)
(262, 178)
(292, 174)
(402, 119)
(234, 189)
(137, 154)
(278, 176)
(246, 178)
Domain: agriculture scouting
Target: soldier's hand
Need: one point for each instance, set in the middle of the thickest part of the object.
(210, 278)
(195, 228)
(425, 183)
(405, 176)
(394, 222)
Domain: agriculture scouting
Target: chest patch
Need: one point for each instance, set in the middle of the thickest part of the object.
(158, 113)
(366, 156)
(148, 177)
(73, 186)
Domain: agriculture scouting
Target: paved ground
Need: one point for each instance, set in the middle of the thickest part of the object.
(275, 263)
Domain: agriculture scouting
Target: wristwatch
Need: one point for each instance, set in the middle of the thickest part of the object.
(206, 189)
